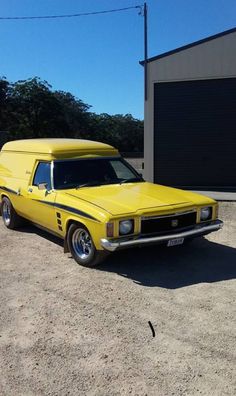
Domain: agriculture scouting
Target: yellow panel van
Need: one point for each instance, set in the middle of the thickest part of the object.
(88, 195)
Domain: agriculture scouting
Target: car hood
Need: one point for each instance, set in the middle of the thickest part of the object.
(121, 199)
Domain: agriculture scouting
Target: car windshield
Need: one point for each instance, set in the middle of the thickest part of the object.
(93, 172)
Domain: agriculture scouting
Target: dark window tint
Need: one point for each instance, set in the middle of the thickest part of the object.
(71, 174)
(43, 174)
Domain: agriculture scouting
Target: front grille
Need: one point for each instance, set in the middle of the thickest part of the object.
(165, 224)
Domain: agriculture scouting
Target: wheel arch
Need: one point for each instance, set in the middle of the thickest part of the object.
(68, 224)
(3, 195)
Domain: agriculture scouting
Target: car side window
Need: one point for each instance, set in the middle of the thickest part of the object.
(43, 174)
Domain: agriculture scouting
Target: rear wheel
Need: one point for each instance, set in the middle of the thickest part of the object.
(82, 248)
(9, 215)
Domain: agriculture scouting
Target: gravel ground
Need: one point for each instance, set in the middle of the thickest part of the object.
(68, 330)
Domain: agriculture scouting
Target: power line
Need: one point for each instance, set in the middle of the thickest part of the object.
(140, 7)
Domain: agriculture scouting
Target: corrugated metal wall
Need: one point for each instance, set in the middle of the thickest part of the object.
(195, 133)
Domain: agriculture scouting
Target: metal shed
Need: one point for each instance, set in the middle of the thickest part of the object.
(190, 115)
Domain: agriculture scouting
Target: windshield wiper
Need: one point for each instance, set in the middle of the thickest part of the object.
(93, 184)
(133, 179)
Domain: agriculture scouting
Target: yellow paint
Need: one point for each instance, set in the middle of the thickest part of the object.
(95, 206)
(59, 148)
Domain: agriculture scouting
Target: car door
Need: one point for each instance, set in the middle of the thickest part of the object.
(40, 201)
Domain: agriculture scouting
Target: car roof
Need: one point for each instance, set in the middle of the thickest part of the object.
(58, 146)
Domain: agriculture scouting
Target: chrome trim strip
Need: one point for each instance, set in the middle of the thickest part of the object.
(52, 175)
(143, 218)
(198, 230)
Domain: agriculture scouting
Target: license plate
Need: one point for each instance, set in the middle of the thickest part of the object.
(176, 241)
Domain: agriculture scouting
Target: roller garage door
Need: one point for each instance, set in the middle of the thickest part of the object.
(195, 133)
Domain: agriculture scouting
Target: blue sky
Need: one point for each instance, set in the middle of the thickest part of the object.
(97, 57)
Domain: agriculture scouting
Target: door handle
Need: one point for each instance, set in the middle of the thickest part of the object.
(30, 190)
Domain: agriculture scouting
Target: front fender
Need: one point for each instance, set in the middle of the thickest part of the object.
(96, 229)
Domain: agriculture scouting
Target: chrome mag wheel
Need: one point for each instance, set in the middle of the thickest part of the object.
(6, 213)
(82, 244)
(82, 248)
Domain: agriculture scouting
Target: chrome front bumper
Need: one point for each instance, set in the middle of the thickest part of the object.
(199, 230)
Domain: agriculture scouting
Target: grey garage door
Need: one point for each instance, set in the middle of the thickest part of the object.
(195, 133)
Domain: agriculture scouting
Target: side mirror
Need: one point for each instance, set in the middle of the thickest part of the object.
(42, 186)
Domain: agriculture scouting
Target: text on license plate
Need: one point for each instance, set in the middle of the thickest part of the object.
(176, 241)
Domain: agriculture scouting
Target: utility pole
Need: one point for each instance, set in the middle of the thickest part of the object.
(145, 52)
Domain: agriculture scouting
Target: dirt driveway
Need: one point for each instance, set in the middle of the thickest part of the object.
(68, 330)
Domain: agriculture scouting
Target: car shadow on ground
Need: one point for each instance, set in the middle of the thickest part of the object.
(201, 261)
(31, 229)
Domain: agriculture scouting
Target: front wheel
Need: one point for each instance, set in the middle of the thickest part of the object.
(82, 247)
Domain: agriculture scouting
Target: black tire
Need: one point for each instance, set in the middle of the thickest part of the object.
(82, 248)
(10, 218)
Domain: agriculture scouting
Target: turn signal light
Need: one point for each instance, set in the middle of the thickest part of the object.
(110, 229)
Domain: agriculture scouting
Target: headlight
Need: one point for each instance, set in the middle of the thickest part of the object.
(206, 213)
(126, 227)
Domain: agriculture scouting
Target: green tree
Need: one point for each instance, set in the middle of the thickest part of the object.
(35, 112)
(4, 92)
(31, 109)
(75, 114)
(122, 131)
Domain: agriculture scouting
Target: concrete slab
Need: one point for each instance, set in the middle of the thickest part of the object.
(219, 195)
